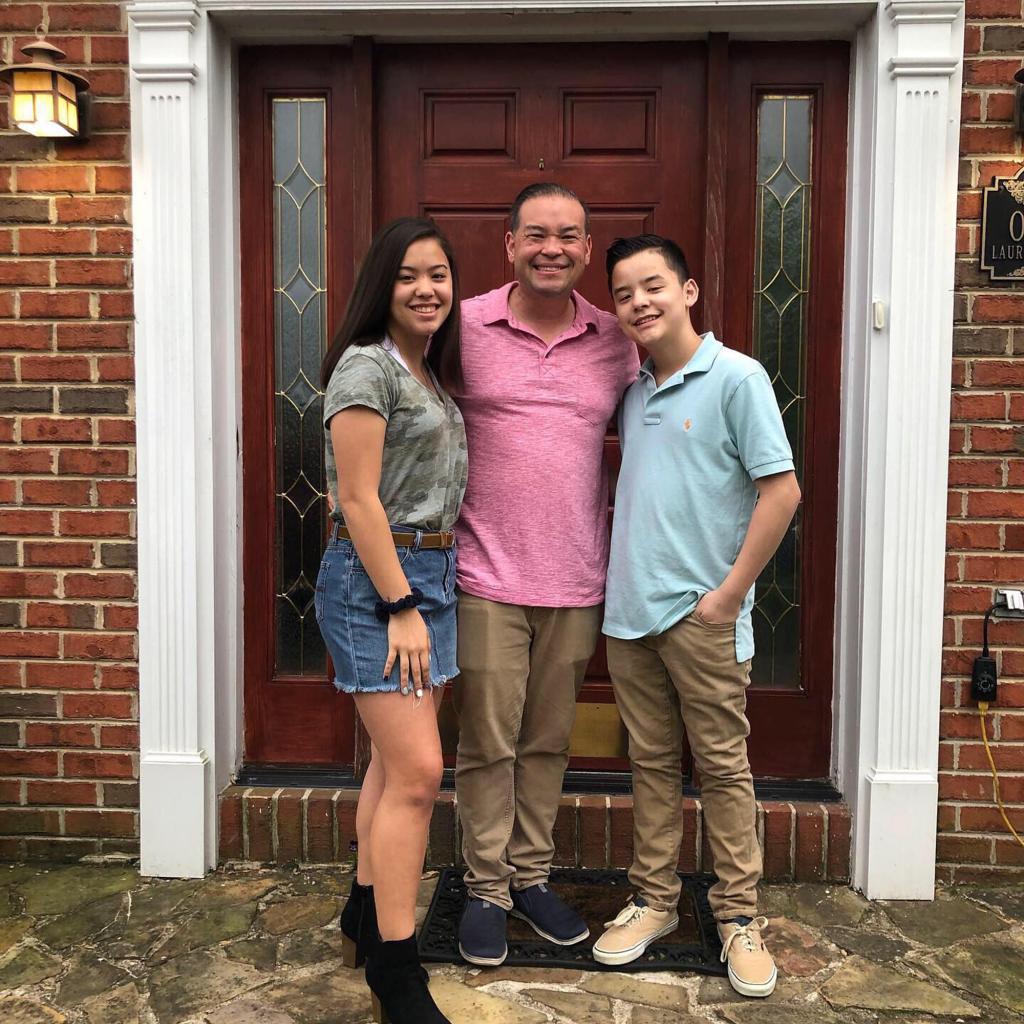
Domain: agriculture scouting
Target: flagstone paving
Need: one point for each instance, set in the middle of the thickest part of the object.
(98, 944)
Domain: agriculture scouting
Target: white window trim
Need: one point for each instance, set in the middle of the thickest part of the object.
(901, 203)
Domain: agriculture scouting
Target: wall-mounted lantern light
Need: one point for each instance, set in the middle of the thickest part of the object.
(46, 100)
(1018, 102)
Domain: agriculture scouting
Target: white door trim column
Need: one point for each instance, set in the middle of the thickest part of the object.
(174, 440)
(896, 426)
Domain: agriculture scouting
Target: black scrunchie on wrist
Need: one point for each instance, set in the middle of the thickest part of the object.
(385, 609)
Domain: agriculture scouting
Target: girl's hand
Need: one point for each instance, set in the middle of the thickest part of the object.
(409, 645)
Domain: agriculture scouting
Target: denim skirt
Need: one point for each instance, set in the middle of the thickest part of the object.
(357, 640)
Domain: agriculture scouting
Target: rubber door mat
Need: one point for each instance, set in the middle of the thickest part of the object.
(598, 895)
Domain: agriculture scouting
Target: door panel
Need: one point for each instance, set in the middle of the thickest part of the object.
(480, 230)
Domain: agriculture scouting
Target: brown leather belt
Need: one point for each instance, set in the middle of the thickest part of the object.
(407, 538)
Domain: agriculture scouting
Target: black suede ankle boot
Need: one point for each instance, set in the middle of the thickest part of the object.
(399, 985)
(358, 925)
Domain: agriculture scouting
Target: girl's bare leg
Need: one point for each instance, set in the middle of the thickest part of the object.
(404, 732)
(369, 796)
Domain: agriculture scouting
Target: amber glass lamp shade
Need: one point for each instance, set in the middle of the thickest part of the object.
(44, 98)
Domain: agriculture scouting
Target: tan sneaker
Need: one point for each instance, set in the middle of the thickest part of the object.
(751, 967)
(636, 927)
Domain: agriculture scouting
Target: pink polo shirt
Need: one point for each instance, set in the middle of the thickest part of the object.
(534, 522)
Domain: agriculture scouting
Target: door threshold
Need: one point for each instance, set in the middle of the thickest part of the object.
(580, 782)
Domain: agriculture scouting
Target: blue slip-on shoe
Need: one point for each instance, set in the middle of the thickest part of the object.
(548, 916)
(482, 933)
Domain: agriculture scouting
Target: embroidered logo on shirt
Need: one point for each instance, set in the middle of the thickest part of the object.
(687, 424)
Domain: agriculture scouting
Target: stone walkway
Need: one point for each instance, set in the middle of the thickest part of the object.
(98, 944)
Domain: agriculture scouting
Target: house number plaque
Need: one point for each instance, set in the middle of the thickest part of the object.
(1002, 228)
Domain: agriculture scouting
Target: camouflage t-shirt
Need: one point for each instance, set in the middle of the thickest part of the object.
(424, 467)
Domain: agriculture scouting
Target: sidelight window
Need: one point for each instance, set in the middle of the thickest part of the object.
(300, 335)
(781, 285)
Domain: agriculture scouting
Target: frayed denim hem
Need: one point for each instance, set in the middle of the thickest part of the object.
(387, 686)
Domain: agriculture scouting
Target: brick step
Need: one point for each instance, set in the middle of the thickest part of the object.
(801, 841)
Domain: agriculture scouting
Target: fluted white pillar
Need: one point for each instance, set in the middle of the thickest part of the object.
(173, 439)
(905, 428)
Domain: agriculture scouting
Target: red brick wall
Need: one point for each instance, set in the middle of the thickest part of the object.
(986, 477)
(68, 678)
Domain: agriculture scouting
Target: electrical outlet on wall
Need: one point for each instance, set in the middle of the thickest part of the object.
(1010, 603)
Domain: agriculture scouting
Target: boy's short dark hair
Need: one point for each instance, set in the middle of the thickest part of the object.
(622, 248)
(546, 188)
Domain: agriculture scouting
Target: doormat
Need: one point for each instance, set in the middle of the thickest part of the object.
(598, 895)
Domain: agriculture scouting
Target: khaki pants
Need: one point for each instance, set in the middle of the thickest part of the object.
(521, 669)
(688, 677)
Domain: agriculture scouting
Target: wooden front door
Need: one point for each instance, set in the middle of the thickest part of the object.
(737, 152)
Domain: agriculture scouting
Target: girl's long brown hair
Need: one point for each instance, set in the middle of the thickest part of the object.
(366, 316)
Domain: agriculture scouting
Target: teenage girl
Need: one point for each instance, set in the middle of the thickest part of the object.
(385, 594)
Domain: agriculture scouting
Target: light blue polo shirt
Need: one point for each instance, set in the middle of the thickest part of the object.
(691, 450)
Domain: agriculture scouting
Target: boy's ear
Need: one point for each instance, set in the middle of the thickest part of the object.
(690, 293)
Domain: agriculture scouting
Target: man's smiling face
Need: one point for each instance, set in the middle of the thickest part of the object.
(549, 248)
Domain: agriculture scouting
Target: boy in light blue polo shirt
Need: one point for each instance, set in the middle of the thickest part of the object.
(704, 497)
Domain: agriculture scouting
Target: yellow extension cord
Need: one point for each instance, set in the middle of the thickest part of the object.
(982, 709)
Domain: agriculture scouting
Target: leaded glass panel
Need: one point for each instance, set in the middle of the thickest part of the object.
(781, 280)
(300, 335)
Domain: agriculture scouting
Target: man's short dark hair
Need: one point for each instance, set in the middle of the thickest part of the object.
(546, 188)
(622, 248)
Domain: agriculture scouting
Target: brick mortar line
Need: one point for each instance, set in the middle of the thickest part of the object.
(825, 841)
(792, 841)
(577, 839)
(975, 804)
(699, 836)
(42, 720)
(68, 539)
(274, 839)
(951, 773)
(245, 822)
(124, 602)
(759, 826)
(94, 808)
(980, 835)
(39, 658)
(335, 845)
(72, 256)
(116, 321)
(607, 830)
(304, 812)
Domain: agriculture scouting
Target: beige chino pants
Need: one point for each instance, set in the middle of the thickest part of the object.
(688, 678)
(521, 669)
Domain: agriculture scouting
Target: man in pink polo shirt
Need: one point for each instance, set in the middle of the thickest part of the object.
(544, 371)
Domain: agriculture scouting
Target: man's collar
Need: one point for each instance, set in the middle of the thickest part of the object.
(496, 304)
(496, 308)
(700, 362)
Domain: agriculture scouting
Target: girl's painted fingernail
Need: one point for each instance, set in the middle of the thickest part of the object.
(405, 690)
(419, 693)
